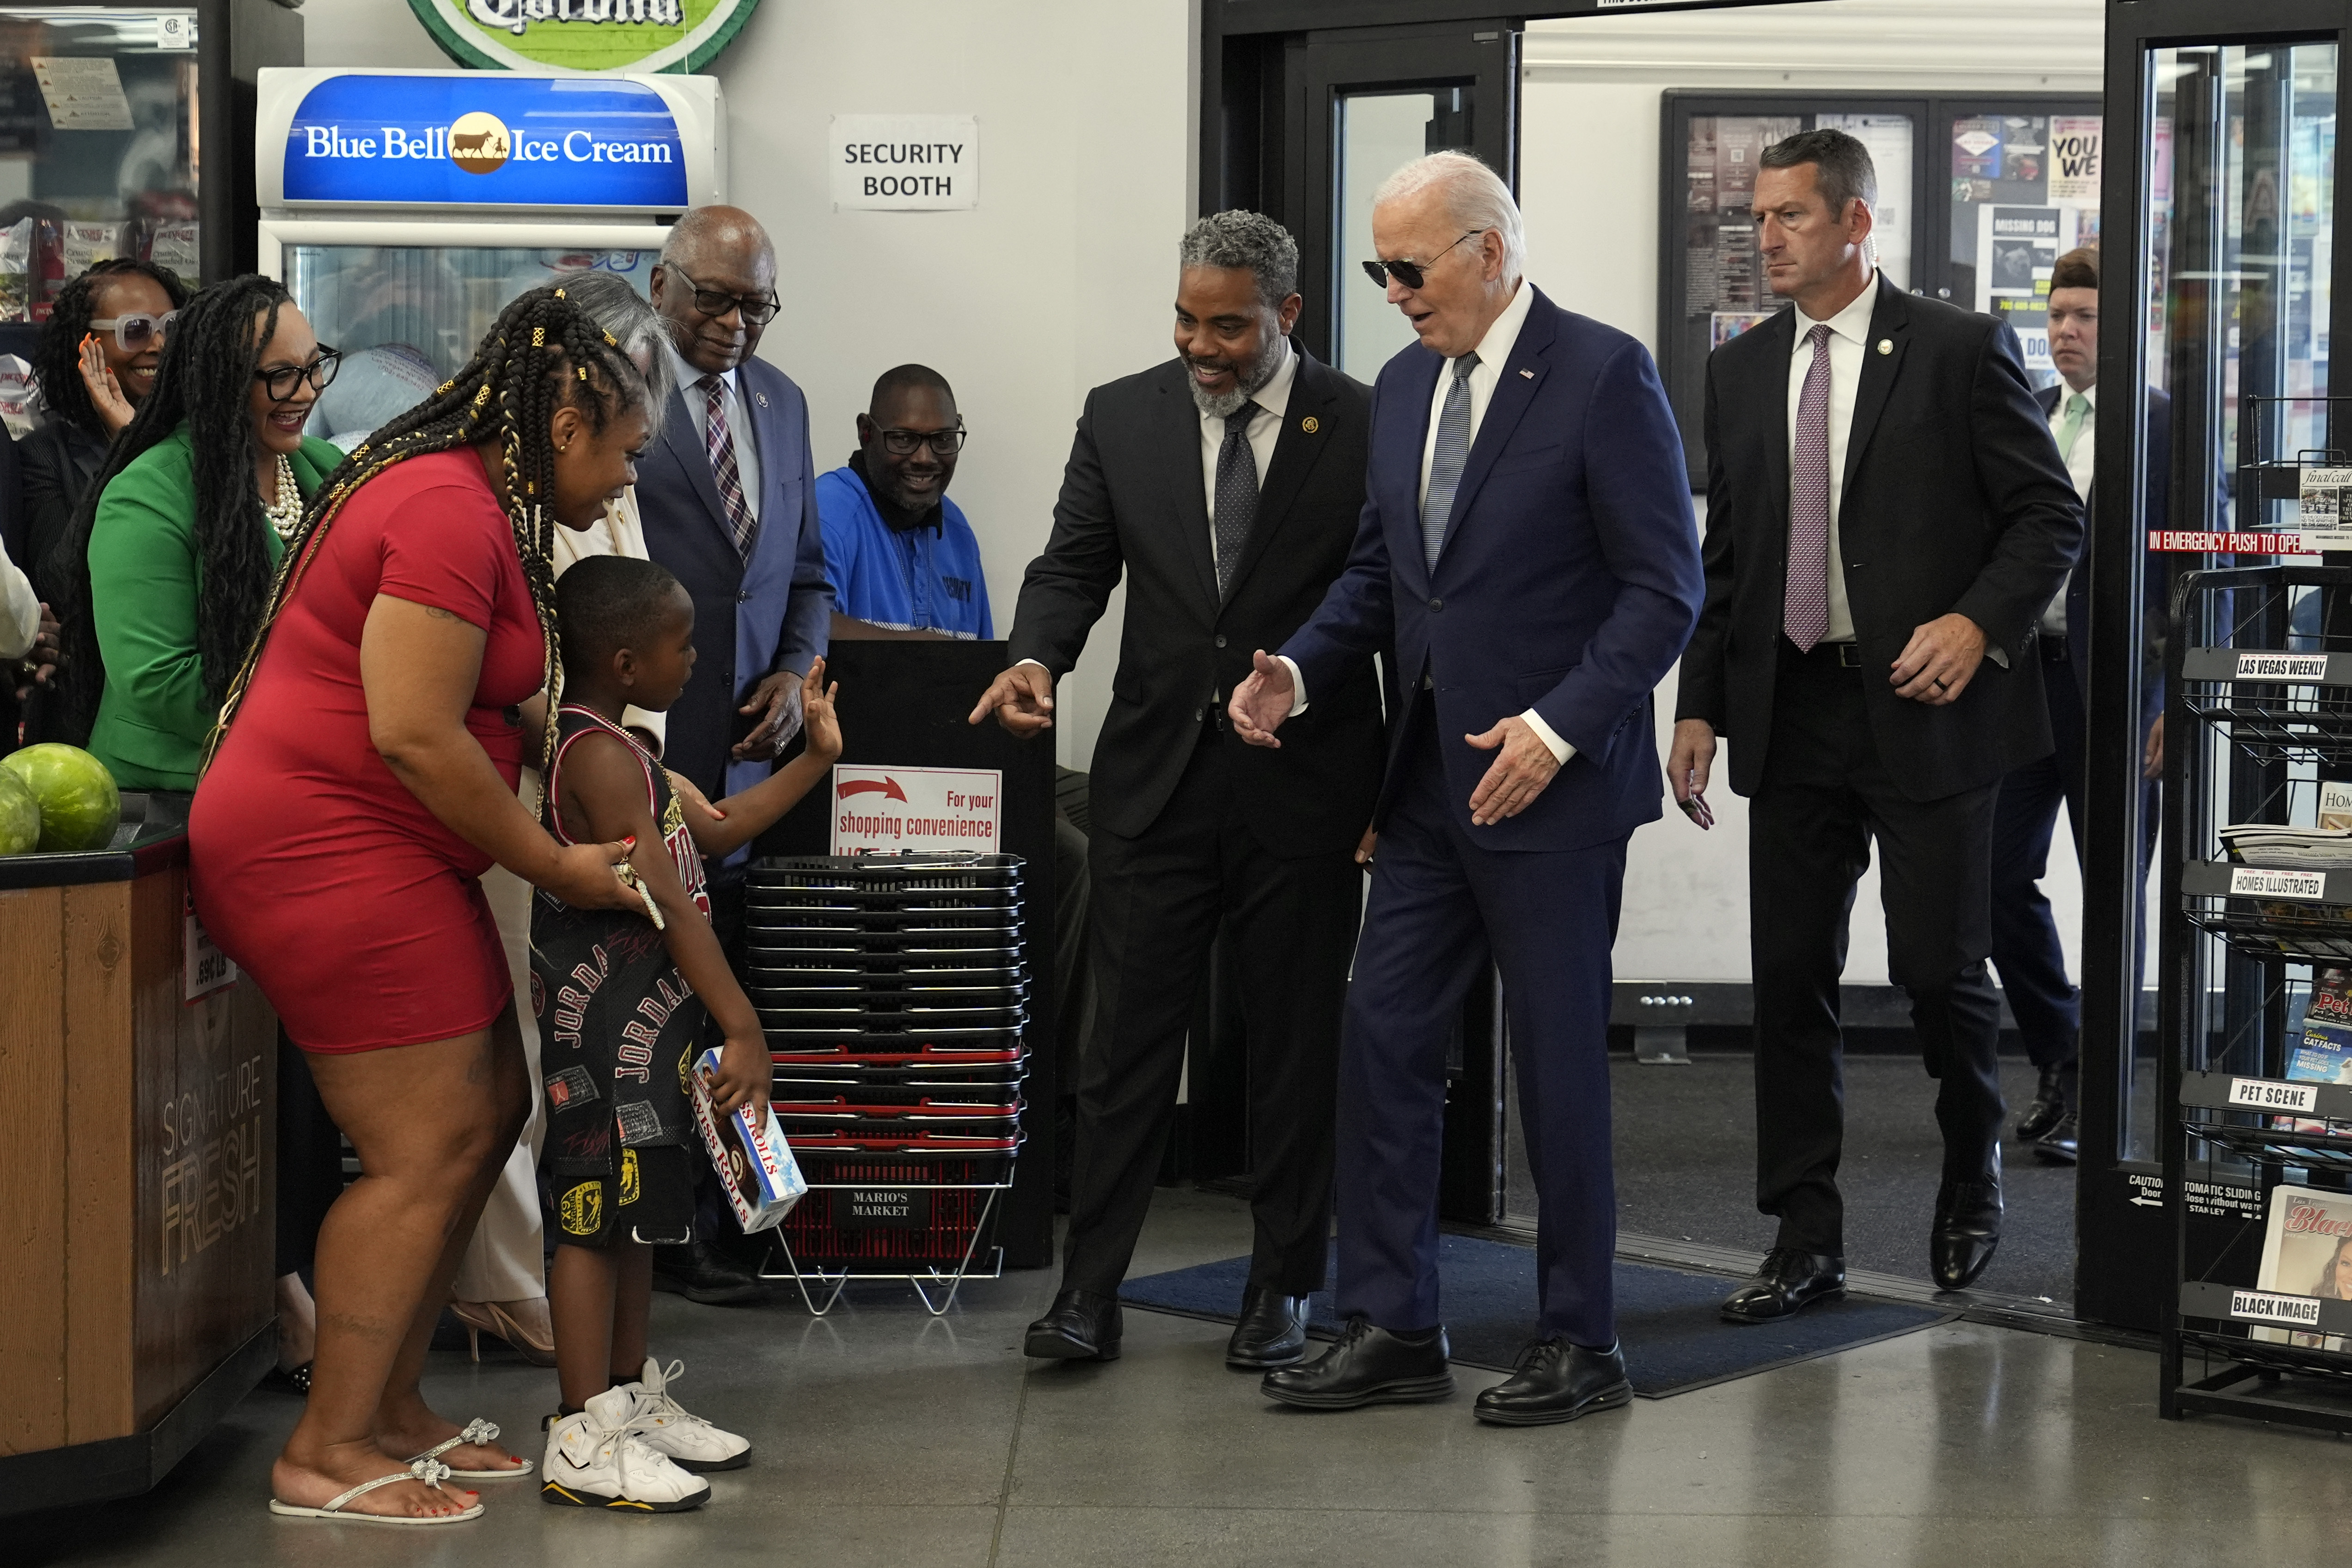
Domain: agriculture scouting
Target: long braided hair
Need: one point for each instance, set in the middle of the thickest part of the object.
(205, 380)
(56, 353)
(543, 353)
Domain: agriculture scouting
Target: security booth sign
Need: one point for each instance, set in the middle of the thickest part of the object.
(881, 809)
(584, 36)
(375, 139)
(905, 163)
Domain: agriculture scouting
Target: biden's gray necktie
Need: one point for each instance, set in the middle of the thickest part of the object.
(1236, 494)
(1446, 463)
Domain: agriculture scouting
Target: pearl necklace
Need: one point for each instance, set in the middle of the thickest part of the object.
(285, 514)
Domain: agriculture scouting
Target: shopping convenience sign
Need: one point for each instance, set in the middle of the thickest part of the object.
(460, 140)
(584, 36)
(882, 808)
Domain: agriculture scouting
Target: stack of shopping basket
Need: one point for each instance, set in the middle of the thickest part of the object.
(893, 989)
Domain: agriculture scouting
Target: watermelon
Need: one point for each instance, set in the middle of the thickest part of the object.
(80, 806)
(20, 816)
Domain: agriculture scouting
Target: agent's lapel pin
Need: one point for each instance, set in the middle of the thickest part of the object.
(1886, 345)
(1310, 424)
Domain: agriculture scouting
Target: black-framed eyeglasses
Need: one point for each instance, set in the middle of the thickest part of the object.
(136, 330)
(758, 309)
(943, 443)
(1409, 273)
(284, 381)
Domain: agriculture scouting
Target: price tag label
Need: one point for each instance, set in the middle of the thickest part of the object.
(2281, 666)
(2261, 1306)
(2258, 882)
(2325, 522)
(206, 969)
(2270, 1095)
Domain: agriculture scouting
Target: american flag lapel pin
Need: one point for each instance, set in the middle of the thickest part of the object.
(1529, 374)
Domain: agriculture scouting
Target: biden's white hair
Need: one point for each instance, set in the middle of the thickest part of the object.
(1474, 197)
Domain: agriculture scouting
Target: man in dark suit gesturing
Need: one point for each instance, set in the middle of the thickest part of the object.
(1887, 518)
(727, 497)
(1527, 544)
(1224, 484)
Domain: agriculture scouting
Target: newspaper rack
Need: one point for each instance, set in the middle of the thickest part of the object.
(2258, 697)
(894, 990)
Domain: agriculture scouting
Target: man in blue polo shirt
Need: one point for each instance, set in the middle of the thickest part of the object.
(902, 559)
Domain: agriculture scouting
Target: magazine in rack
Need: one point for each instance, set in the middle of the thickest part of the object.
(2307, 1251)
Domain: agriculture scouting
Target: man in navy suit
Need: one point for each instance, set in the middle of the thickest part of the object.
(1527, 542)
(2025, 946)
(728, 499)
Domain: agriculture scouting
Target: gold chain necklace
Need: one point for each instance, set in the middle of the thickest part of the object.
(285, 514)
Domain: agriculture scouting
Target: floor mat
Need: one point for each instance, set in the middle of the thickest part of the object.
(1666, 1318)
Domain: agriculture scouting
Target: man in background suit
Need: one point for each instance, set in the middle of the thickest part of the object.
(1886, 520)
(728, 499)
(1224, 484)
(1527, 543)
(2025, 946)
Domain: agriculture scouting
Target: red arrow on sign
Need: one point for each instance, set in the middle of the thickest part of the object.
(886, 786)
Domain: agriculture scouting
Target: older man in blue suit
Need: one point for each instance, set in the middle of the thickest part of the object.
(1527, 544)
(728, 499)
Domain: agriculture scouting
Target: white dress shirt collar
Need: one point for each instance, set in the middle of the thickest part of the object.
(1852, 322)
(1275, 396)
(1503, 332)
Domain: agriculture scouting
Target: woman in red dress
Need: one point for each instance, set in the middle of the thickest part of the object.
(362, 780)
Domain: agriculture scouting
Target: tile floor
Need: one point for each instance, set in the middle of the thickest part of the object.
(889, 1438)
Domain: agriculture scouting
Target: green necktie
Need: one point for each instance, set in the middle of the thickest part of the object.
(2070, 424)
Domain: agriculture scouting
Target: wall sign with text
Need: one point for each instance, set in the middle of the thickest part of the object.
(878, 808)
(583, 35)
(905, 163)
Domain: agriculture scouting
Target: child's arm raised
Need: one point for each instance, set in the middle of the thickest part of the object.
(741, 817)
(604, 785)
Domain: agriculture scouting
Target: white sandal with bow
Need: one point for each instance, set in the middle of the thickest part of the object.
(431, 1472)
(477, 1431)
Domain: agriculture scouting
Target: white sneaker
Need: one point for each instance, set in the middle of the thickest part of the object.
(594, 1460)
(669, 1429)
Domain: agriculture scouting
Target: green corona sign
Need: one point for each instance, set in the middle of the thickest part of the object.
(583, 35)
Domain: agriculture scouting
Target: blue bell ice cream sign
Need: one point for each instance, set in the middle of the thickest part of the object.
(477, 140)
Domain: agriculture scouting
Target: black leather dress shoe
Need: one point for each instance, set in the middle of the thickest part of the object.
(702, 1273)
(1968, 1229)
(1271, 1332)
(1557, 1381)
(1368, 1367)
(2047, 1107)
(1080, 1326)
(1790, 1281)
(2061, 1146)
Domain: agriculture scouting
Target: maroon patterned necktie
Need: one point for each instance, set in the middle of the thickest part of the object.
(1805, 606)
(719, 441)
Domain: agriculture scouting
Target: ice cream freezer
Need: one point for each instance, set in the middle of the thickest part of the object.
(405, 209)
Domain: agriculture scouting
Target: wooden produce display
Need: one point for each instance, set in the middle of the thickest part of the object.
(137, 1230)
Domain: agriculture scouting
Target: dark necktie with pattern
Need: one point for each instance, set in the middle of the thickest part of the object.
(1805, 606)
(1236, 494)
(1446, 459)
(718, 443)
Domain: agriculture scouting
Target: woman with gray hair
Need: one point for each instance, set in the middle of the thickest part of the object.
(501, 1284)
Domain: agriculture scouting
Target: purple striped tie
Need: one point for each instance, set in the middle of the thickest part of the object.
(1805, 606)
(719, 441)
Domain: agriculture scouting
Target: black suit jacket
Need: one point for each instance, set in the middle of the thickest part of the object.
(1132, 501)
(2156, 457)
(1954, 500)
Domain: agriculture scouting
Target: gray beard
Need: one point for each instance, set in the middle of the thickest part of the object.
(1245, 386)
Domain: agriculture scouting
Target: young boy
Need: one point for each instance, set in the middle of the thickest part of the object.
(620, 1008)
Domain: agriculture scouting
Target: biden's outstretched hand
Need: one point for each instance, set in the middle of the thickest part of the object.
(1261, 703)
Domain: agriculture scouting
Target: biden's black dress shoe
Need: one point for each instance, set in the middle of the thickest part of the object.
(1790, 1281)
(1968, 1229)
(2047, 1107)
(1368, 1367)
(1557, 1381)
(1080, 1326)
(2062, 1144)
(703, 1274)
(1271, 1332)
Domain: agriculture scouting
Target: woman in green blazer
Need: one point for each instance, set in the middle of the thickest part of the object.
(182, 533)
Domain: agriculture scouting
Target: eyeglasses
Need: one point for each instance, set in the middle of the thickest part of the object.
(285, 382)
(758, 309)
(1409, 273)
(133, 332)
(943, 443)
